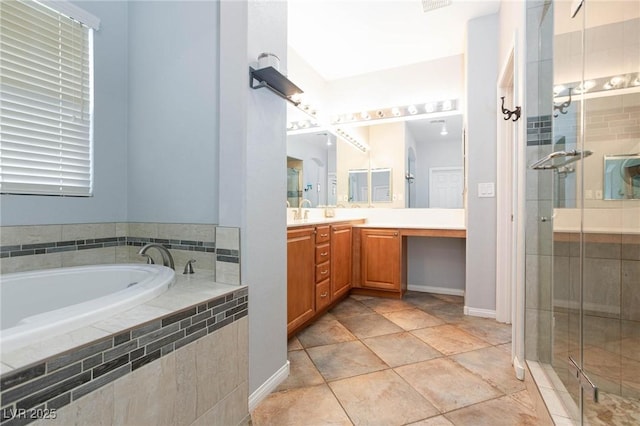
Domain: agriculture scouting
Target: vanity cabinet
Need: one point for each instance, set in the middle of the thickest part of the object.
(319, 271)
(381, 260)
(341, 259)
(301, 290)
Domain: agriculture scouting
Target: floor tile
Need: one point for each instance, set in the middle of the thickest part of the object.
(501, 411)
(381, 398)
(488, 330)
(346, 359)
(294, 344)
(382, 305)
(449, 339)
(494, 366)
(412, 319)
(446, 384)
(448, 312)
(449, 298)
(324, 333)
(422, 300)
(363, 326)
(433, 421)
(348, 308)
(309, 406)
(302, 372)
(400, 349)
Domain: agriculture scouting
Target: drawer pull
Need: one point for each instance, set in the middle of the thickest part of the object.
(324, 235)
(324, 272)
(324, 253)
(395, 234)
(325, 294)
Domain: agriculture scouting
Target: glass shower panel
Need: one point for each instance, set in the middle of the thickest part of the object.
(611, 228)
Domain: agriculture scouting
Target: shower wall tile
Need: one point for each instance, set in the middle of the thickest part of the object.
(538, 282)
(602, 287)
(630, 290)
(602, 250)
(630, 350)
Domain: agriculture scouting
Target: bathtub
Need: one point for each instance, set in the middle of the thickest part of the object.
(41, 304)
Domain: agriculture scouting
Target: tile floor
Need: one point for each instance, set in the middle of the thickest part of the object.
(417, 361)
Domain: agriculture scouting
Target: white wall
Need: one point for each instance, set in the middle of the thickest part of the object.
(481, 79)
(252, 165)
(109, 201)
(173, 112)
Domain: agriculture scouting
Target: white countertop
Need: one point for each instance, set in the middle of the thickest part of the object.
(189, 290)
(387, 218)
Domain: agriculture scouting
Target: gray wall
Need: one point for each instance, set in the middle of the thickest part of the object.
(252, 167)
(173, 112)
(436, 262)
(155, 131)
(481, 77)
(109, 201)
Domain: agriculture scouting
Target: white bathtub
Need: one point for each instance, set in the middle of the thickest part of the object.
(41, 304)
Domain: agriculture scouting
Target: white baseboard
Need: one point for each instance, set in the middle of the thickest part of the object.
(518, 368)
(477, 312)
(269, 386)
(436, 290)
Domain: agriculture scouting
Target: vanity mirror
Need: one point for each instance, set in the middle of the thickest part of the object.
(398, 162)
(622, 177)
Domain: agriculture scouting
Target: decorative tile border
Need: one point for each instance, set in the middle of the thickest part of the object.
(60, 380)
(74, 245)
(539, 130)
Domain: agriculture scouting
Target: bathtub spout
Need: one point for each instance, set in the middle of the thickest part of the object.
(167, 259)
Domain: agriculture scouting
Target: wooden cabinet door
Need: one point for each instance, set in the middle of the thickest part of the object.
(380, 259)
(301, 283)
(341, 259)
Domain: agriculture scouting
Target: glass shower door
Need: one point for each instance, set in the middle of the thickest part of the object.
(596, 264)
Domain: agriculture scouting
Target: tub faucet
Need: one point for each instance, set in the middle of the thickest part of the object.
(167, 259)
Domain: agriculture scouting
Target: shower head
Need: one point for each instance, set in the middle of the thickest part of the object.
(429, 5)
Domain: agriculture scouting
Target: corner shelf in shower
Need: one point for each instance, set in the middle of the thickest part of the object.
(275, 81)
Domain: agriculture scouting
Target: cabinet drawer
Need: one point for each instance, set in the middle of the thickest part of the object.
(323, 294)
(323, 271)
(323, 253)
(322, 234)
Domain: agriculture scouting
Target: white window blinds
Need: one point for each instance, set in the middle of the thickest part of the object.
(45, 101)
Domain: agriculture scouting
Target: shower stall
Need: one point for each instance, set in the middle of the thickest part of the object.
(582, 300)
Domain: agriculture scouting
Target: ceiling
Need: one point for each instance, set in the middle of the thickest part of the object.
(342, 38)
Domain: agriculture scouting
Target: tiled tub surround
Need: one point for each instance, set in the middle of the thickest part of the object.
(25, 248)
(179, 359)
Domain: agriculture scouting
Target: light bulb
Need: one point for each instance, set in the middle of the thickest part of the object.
(395, 111)
(412, 109)
(446, 105)
(429, 107)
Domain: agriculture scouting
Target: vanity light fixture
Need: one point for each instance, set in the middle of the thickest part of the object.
(558, 89)
(585, 86)
(396, 112)
(352, 140)
(614, 83)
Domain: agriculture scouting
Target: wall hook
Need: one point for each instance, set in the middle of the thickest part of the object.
(508, 114)
(563, 106)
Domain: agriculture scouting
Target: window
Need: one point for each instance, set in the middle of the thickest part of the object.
(45, 99)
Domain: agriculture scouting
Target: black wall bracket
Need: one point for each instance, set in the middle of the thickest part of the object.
(508, 114)
(273, 80)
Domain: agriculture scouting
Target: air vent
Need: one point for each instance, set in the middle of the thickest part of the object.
(429, 5)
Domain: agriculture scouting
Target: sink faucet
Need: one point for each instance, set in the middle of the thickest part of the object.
(297, 215)
(167, 259)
